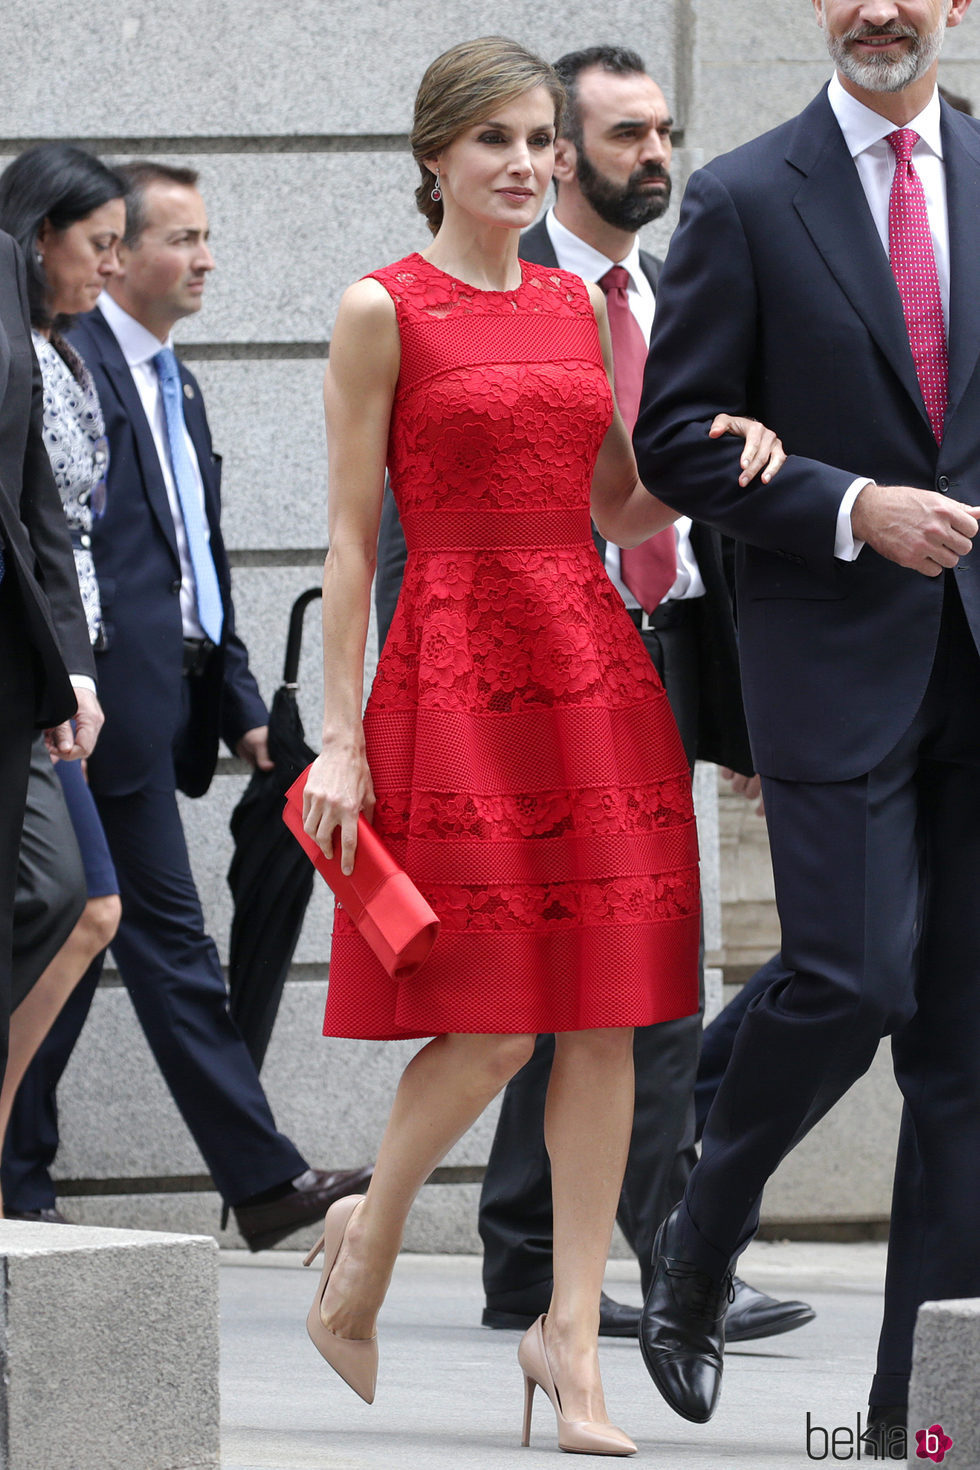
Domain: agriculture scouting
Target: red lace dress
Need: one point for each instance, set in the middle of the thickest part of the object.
(528, 771)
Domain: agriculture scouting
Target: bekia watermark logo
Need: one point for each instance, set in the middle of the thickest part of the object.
(932, 1444)
(847, 1442)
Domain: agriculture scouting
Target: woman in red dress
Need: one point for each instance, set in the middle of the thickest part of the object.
(517, 753)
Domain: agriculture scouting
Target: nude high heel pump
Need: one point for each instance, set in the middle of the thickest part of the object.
(578, 1436)
(355, 1359)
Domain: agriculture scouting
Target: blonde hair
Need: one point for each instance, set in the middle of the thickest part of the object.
(462, 87)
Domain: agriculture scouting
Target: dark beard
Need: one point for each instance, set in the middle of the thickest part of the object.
(625, 207)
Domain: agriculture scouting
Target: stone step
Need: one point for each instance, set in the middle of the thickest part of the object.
(943, 1392)
(128, 1160)
(109, 1349)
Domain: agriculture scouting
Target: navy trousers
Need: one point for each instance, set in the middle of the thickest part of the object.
(876, 888)
(170, 967)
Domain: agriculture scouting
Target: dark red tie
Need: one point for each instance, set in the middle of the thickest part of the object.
(650, 570)
(913, 264)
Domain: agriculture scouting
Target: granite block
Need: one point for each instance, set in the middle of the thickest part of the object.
(332, 1097)
(137, 1386)
(267, 423)
(250, 68)
(736, 102)
(706, 808)
(943, 1390)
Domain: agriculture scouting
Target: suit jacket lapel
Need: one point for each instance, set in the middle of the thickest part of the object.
(117, 371)
(961, 155)
(831, 203)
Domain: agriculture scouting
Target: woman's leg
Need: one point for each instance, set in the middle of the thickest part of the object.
(588, 1117)
(35, 1014)
(442, 1092)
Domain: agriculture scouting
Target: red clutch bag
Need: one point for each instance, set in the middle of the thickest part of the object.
(384, 903)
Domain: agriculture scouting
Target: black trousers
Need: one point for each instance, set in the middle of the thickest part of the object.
(876, 888)
(515, 1204)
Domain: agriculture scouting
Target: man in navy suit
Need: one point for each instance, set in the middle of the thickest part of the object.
(612, 175)
(175, 676)
(826, 278)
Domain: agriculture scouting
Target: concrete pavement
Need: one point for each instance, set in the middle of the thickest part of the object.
(450, 1392)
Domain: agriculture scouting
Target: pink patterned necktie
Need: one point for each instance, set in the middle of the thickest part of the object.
(913, 264)
(648, 570)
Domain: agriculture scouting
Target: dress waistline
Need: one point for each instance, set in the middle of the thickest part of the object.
(494, 530)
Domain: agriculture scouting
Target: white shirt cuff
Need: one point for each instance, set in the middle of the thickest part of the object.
(82, 681)
(846, 548)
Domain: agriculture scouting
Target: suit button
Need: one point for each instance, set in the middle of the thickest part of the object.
(175, 586)
(943, 483)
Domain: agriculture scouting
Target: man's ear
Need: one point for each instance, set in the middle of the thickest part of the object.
(565, 160)
(818, 8)
(957, 11)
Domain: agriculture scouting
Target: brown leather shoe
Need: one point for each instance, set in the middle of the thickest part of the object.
(266, 1224)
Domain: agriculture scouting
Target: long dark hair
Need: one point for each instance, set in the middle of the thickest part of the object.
(59, 183)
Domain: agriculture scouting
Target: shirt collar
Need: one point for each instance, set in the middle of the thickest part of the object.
(862, 127)
(138, 345)
(577, 255)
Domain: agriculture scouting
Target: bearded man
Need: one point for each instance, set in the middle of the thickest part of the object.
(825, 277)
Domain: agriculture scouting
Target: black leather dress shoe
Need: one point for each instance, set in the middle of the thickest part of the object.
(521, 1309)
(264, 1225)
(49, 1216)
(752, 1314)
(886, 1436)
(682, 1329)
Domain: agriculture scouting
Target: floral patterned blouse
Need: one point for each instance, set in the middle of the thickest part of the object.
(74, 436)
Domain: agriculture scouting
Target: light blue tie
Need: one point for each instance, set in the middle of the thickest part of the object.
(209, 608)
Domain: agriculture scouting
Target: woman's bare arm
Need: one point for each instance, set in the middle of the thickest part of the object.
(358, 392)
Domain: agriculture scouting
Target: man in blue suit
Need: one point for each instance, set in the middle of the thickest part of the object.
(174, 677)
(826, 278)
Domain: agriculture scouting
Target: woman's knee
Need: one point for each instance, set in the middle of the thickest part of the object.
(503, 1055)
(99, 921)
(606, 1045)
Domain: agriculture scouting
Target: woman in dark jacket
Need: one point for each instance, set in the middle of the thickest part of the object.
(66, 211)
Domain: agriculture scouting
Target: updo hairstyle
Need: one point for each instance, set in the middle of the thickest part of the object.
(462, 87)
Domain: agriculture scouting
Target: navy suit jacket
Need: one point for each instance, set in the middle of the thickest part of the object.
(722, 735)
(778, 300)
(140, 674)
(33, 531)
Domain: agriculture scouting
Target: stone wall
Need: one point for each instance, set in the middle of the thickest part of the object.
(297, 117)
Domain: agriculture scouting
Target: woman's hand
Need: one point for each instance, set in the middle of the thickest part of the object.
(762, 446)
(338, 790)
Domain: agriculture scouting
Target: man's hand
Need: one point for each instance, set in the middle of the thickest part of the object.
(919, 529)
(254, 748)
(65, 745)
(748, 786)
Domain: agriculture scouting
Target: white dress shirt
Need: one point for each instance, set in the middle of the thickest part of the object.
(576, 255)
(864, 133)
(139, 347)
